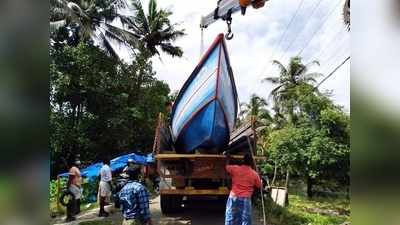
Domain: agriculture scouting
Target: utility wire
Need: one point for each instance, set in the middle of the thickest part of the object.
(286, 29)
(337, 52)
(308, 21)
(280, 40)
(291, 43)
(330, 74)
(321, 25)
(333, 42)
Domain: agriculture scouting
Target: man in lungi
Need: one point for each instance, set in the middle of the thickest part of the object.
(134, 199)
(75, 187)
(244, 180)
(105, 186)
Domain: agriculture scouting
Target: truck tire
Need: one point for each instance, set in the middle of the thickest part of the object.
(171, 203)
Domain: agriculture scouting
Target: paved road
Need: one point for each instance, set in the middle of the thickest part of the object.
(196, 212)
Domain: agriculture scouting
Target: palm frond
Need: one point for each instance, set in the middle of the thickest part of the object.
(273, 80)
(106, 45)
(140, 18)
(346, 14)
(171, 50)
(170, 34)
(281, 67)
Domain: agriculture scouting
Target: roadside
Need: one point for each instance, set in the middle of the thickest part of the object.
(197, 212)
(301, 211)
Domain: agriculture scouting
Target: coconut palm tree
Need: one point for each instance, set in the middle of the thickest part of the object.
(256, 107)
(138, 31)
(92, 19)
(155, 28)
(285, 94)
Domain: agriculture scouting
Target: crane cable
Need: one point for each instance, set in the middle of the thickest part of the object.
(201, 42)
(256, 169)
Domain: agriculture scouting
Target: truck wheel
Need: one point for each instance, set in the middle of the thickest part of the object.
(170, 203)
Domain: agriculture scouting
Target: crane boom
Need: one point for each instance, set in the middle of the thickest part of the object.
(224, 9)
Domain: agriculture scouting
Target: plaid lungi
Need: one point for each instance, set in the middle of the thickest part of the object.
(238, 211)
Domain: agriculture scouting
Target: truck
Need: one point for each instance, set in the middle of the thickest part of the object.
(196, 175)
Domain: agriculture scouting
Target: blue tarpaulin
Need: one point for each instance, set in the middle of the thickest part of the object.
(92, 172)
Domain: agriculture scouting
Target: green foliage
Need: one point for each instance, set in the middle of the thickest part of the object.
(309, 135)
(311, 152)
(303, 211)
(256, 107)
(101, 106)
(155, 29)
(286, 93)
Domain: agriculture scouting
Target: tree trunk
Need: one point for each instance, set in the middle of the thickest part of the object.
(310, 183)
(274, 177)
(287, 179)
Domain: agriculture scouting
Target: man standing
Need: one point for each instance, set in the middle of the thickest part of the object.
(134, 199)
(105, 186)
(129, 165)
(74, 186)
(244, 180)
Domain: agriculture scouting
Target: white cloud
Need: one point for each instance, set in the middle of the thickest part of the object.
(256, 36)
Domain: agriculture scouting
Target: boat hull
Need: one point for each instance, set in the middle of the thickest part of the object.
(205, 111)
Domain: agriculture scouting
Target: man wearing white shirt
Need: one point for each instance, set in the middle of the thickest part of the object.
(105, 186)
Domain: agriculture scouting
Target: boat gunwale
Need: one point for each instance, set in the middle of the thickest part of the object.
(220, 38)
(196, 71)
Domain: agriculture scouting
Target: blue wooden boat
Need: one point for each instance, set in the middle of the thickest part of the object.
(205, 110)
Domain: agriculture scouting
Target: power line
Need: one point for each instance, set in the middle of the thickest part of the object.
(330, 74)
(333, 42)
(322, 24)
(308, 21)
(337, 52)
(291, 43)
(280, 40)
(287, 27)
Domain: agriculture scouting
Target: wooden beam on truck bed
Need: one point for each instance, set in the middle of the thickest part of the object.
(202, 156)
(192, 191)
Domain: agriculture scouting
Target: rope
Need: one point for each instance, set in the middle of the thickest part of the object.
(255, 166)
(201, 42)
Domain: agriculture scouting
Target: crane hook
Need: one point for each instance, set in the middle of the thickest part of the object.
(229, 34)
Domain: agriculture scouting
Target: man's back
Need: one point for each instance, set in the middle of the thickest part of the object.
(105, 173)
(75, 176)
(134, 199)
(244, 179)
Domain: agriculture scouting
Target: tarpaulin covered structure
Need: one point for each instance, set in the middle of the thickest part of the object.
(117, 164)
(91, 172)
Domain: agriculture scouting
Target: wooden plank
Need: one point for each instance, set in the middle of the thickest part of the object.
(192, 191)
(201, 156)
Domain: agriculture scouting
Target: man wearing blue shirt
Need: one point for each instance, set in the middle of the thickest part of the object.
(134, 199)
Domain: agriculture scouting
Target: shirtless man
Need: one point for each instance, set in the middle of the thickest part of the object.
(75, 187)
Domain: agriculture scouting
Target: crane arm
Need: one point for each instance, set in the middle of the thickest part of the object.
(225, 8)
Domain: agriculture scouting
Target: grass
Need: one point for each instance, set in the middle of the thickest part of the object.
(304, 211)
(54, 211)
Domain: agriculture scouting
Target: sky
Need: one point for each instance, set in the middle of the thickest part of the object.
(279, 30)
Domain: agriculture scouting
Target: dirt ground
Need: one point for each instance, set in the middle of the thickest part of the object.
(196, 212)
